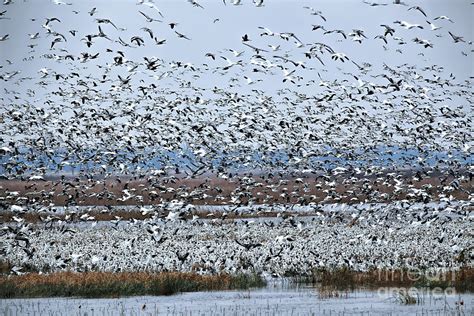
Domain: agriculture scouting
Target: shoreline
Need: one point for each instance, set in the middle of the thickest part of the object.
(130, 284)
(80, 214)
(123, 284)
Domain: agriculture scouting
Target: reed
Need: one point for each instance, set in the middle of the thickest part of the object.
(107, 284)
(405, 298)
(328, 292)
(344, 278)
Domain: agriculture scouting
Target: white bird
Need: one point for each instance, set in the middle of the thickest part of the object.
(172, 216)
(339, 56)
(274, 47)
(315, 12)
(37, 177)
(44, 72)
(196, 4)
(423, 42)
(59, 2)
(17, 270)
(17, 208)
(407, 25)
(230, 63)
(75, 257)
(456, 38)
(148, 18)
(5, 150)
(288, 76)
(236, 53)
(444, 17)
(18, 219)
(267, 31)
(153, 6)
(298, 44)
(250, 81)
(34, 36)
(433, 27)
(418, 8)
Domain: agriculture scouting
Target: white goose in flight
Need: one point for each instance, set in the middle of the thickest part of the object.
(444, 17)
(407, 25)
(230, 63)
(433, 27)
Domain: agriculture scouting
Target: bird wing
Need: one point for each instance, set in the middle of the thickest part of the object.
(146, 16)
(421, 10)
(255, 48)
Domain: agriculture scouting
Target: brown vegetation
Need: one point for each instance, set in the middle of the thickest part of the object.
(218, 191)
(331, 282)
(343, 279)
(106, 284)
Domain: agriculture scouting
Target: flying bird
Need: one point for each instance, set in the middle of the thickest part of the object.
(407, 25)
(457, 39)
(160, 41)
(149, 19)
(388, 30)
(93, 11)
(315, 12)
(433, 27)
(180, 35)
(149, 31)
(444, 17)
(106, 21)
(418, 9)
(195, 4)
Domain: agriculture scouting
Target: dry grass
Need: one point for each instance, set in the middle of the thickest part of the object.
(5, 267)
(327, 292)
(404, 297)
(343, 279)
(217, 191)
(106, 284)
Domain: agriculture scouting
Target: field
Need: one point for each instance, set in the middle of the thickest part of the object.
(303, 189)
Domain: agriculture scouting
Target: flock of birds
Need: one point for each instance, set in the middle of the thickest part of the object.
(360, 237)
(104, 108)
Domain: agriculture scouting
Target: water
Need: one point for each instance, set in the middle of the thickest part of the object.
(274, 299)
(443, 207)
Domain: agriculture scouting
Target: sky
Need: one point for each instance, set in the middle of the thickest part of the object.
(216, 29)
(235, 21)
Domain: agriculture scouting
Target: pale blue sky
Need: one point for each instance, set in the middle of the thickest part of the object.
(27, 17)
(235, 21)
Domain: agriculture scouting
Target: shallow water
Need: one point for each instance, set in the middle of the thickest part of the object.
(334, 207)
(275, 299)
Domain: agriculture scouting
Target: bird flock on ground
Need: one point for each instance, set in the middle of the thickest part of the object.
(361, 237)
(277, 107)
